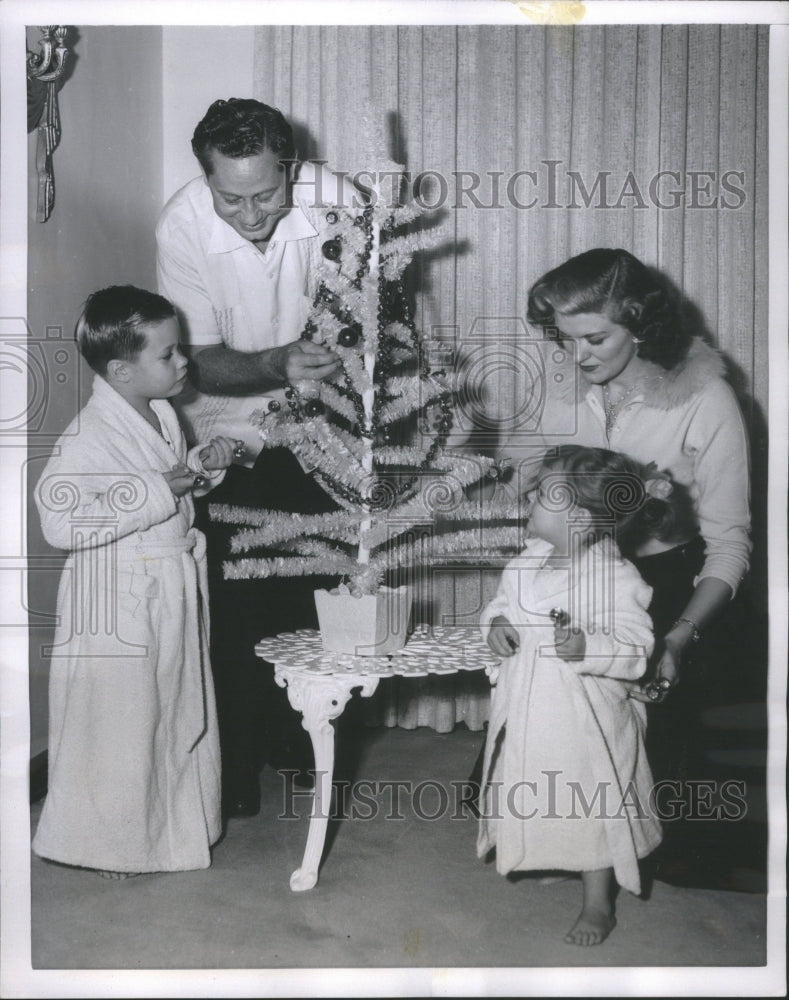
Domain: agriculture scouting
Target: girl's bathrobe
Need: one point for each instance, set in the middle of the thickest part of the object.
(566, 782)
(134, 767)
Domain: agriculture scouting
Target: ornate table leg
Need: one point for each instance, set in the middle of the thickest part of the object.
(320, 698)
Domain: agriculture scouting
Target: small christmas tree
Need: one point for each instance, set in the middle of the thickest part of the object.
(375, 436)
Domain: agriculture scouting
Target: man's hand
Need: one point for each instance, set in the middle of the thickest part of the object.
(180, 479)
(223, 371)
(503, 637)
(303, 359)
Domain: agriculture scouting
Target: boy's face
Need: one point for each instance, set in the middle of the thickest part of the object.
(159, 370)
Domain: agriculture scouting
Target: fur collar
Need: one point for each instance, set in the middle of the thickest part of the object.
(662, 389)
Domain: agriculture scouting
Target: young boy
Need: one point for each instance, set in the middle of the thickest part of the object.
(134, 768)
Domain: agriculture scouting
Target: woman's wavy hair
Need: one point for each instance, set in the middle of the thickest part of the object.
(633, 501)
(616, 283)
(241, 127)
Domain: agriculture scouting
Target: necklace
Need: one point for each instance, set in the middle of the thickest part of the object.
(612, 410)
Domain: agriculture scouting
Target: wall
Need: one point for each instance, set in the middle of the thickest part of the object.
(128, 111)
(199, 66)
(108, 181)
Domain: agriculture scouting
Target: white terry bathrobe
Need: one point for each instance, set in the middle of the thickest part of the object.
(566, 784)
(134, 765)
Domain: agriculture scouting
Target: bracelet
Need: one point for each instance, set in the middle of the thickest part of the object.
(696, 634)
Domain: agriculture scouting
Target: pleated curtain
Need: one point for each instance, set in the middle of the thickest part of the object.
(652, 138)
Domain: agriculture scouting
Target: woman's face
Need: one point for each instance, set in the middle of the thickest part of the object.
(603, 349)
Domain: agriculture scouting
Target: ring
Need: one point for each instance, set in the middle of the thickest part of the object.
(652, 691)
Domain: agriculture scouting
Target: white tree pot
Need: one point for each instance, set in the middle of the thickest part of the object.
(371, 625)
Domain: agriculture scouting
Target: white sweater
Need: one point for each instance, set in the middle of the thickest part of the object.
(686, 420)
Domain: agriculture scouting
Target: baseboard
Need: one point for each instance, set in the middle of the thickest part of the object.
(38, 776)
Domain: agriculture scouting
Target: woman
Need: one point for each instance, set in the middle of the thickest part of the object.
(632, 378)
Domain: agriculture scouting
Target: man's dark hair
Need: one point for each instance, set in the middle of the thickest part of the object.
(241, 127)
(110, 325)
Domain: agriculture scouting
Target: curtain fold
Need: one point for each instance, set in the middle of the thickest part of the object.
(537, 143)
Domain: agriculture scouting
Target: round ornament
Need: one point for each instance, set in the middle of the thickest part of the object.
(348, 336)
(313, 407)
(331, 249)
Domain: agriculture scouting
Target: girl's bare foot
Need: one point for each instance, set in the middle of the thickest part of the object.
(597, 919)
(591, 927)
(117, 876)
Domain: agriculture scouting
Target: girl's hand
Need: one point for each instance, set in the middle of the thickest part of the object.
(570, 642)
(180, 479)
(218, 453)
(503, 637)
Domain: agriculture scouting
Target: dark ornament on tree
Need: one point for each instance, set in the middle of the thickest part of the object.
(332, 249)
(331, 218)
(313, 407)
(348, 336)
(274, 406)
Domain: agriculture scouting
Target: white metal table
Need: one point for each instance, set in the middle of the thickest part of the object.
(320, 684)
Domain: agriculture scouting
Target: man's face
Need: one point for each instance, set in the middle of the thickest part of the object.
(250, 193)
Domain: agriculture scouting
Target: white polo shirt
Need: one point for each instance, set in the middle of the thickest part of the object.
(229, 292)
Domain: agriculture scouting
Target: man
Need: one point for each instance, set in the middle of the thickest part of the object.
(237, 254)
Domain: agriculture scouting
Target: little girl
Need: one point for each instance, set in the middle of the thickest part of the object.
(566, 782)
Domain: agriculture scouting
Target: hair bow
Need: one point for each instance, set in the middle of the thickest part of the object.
(660, 488)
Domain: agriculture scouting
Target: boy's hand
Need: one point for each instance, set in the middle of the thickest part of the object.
(570, 642)
(503, 637)
(180, 479)
(218, 453)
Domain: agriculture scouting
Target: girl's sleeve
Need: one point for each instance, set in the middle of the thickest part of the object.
(83, 506)
(498, 606)
(619, 636)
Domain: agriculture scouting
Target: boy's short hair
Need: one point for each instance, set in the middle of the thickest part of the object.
(110, 325)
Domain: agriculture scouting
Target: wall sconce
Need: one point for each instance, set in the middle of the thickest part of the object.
(44, 72)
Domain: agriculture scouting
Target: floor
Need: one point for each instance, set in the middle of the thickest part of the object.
(400, 896)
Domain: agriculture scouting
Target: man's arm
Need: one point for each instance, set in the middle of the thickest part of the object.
(220, 370)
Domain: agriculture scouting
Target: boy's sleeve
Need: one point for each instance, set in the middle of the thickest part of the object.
(93, 507)
(213, 477)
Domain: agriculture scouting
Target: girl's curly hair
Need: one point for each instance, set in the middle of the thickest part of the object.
(616, 283)
(634, 501)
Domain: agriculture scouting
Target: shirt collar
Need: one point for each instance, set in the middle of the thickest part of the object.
(293, 226)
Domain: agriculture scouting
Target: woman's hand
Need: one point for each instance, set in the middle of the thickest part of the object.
(503, 637)
(667, 672)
